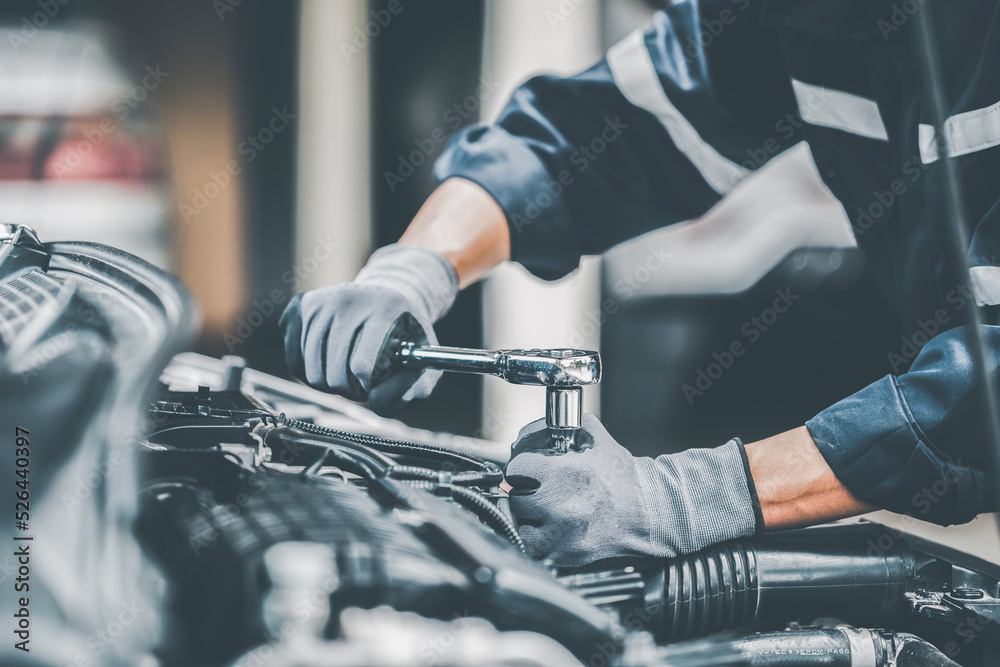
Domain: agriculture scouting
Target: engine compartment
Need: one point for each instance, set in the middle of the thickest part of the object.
(425, 530)
(255, 521)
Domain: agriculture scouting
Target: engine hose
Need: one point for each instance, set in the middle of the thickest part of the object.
(391, 446)
(916, 652)
(837, 647)
(735, 584)
(374, 463)
(481, 507)
(470, 478)
(468, 498)
(355, 461)
(830, 648)
(292, 436)
(477, 503)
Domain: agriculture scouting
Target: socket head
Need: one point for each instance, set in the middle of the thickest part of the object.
(561, 367)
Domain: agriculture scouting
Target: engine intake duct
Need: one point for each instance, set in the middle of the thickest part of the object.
(830, 571)
(711, 590)
(838, 571)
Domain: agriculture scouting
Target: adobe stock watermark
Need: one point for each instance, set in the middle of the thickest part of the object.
(752, 330)
(261, 310)
(83, 314)
(636, 619)
(900, 15)
(453, 118)
(562, 13)
(957, 299)
(249, 149)
(122, 107)
(225, 514)
(785, 128)
(494, 420)
(362, 35)
(88, 484)
(884, 200)
(911, 345)
(968, 630)
(7, 569)
(593, 320)
(310, 609)
(105, 638)
(43, 353)
(434, 648)
(581, 159)
(290, 455)
(711, 28)
(223, 7)
(629, 283)
(625, 286)
(30, 25)
(922, 502)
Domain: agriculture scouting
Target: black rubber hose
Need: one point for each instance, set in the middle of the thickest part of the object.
(345, 458)
(470, 478)
(391, 446)
(496, 519)
(295, 437)
(808, 648)
(733, 584)
(357, 460)
(426, 477)
(483, 508)
(799, 648)
(916, 652)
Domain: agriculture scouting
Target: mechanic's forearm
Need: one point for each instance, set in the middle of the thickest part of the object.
(463, 223)
(795, 485)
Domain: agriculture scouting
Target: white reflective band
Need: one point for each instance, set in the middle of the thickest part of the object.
(986, 284)
(635, 75)
(839, 110)
(967, 132)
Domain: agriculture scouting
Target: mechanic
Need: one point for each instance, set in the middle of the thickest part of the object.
(658, 132)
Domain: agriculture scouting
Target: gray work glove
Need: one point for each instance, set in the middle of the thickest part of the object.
(335, 337)
(602, 502)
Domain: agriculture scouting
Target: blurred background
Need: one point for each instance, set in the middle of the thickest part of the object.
(259, 149)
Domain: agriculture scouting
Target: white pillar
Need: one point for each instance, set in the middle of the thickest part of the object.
(333, 193)
(526, 37)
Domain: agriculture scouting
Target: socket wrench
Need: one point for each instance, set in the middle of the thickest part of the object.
(562, 371)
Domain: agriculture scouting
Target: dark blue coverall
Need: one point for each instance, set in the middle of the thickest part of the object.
(706, 96)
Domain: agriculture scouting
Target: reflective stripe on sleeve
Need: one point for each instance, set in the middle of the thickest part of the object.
(967, 132)
(985, 284)
(636, 77)
(839, 110)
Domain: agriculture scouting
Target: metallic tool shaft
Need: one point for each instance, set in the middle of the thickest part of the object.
(562, 372)
(456, 359)
(563, 414)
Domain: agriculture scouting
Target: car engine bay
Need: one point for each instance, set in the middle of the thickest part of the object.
(425, 530)
(266, 523)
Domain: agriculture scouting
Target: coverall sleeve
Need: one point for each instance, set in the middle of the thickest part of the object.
(916, 443)
(919, 443)
(655, 133)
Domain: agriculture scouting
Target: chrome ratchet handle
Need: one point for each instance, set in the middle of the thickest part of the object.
(562, 371)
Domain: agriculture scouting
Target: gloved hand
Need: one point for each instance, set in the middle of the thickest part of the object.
(602, 502)
(334, 335)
